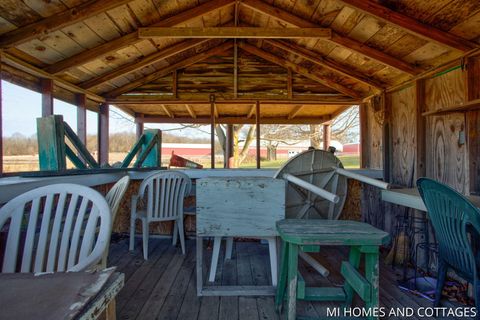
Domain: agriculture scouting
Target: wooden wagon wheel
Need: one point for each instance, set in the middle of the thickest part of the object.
(318, 168)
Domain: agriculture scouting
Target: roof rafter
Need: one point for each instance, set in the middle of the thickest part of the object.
(167, 111)
(298, 69)
(323, 62)
(190, 111)
(145, 61)
(351, 44)
(234, 32)
(58, 21)
(168, 69)
(131, 38)
(295, 111)
(410, 25)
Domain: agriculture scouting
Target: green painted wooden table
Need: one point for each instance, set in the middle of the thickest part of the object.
(309, 235)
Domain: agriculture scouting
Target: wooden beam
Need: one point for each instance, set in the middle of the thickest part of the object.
(410, 25)
(174, 84)
(57, 21)
(167, 111)
(326, 100)
(327, 135)
(139, 126)
(364, 149)
(234, 33)
(82, 118)
(257, 132)
(420, 130)
(47, 97)
(132, 38)
(289, 84)
(237, 120)
(168, 69)
(325, 62)
(295, 111)
(229, 158)
(1, 120)
(298, 69)
(235, 68)
(34, 71)
(103, 131)
(212, 131)
(145, 61)
(354, 45)
(190, 111)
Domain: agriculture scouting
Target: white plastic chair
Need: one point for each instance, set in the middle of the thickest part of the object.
(163, 193)
(114, 197)
(60, 227)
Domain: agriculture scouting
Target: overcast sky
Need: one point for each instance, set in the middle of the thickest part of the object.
(22, 106)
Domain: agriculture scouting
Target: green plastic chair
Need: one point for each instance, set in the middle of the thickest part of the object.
(456, 222)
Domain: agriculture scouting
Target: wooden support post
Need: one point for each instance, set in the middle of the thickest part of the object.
(472, 122)
(103, 115)
(235, 69)
(386, 141)
(289, 84)
(327, 135)
(212, 130)
(257, 124)
(1, 121)
(138, 125)
(47, 97)
(229, 163)
(364, 149)
(420, 146)
(175, 84)
(82, 117)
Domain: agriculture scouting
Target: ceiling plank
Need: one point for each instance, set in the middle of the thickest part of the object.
(295, 111)
(410, 25)
(236, 120)
(168, 69)
(298, 69)
(145, 61)
(324, 62)
(234, 33)
(132, 38)
(57, 21)
(354, 45)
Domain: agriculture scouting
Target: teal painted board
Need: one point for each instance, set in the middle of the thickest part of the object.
(240, 206)
(331, 232)
(154, 157)
(51, 143)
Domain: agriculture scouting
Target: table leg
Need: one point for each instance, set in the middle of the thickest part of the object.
(292, 281)
(354, 260)
(282, 280)
(372, 275)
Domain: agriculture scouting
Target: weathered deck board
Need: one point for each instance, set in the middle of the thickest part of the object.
(164, 287)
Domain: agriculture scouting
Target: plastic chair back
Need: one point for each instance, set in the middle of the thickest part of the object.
(60, 227)
(452, 217)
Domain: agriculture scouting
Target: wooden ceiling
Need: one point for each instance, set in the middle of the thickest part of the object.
(125, 52)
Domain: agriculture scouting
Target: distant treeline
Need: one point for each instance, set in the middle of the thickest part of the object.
(18, 144)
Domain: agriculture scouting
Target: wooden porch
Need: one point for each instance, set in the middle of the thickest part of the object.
(164, 287)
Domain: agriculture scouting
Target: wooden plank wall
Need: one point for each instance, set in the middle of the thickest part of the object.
(446, 154)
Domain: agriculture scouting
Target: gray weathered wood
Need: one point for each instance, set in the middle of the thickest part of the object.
(239, 206)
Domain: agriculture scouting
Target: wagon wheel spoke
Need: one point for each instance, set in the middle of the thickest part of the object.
(300, 191)
(326, 179)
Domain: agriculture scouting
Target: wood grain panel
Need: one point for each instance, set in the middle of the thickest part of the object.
(374, 134)
(445, 90)
(403, 119)
(447, 159)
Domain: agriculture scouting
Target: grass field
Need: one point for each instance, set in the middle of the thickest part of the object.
(350, 161)
(30, 162)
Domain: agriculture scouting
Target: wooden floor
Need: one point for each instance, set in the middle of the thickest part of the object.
(164, 287)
